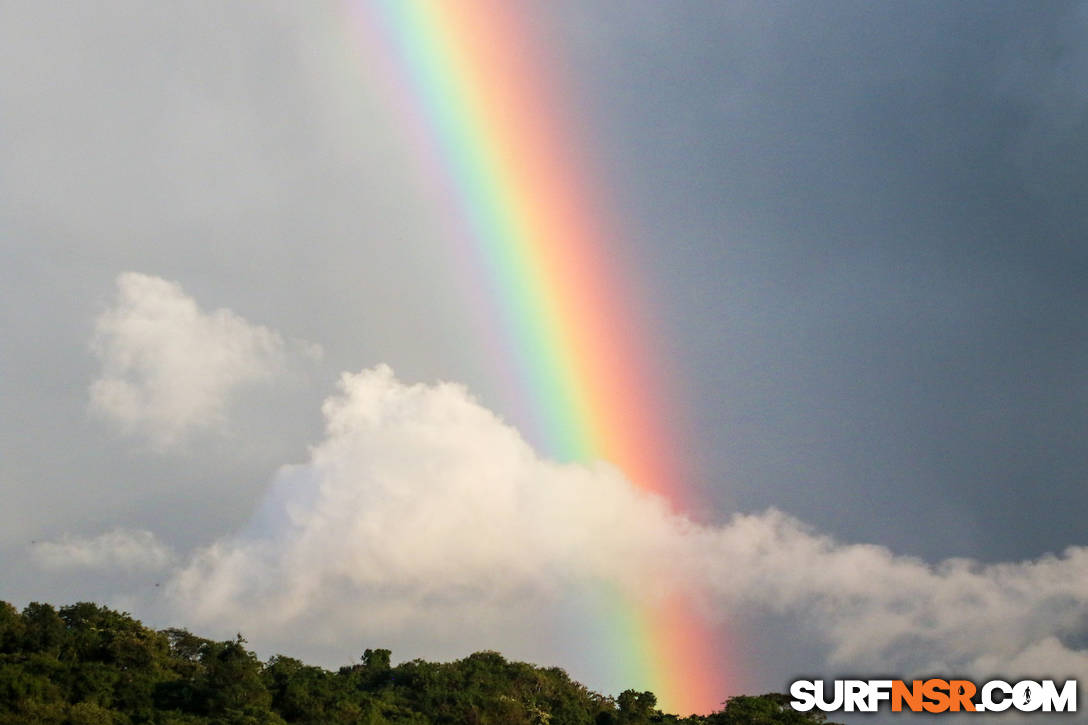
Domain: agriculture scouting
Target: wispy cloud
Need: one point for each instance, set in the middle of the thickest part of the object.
(119, 549)
(168, 367)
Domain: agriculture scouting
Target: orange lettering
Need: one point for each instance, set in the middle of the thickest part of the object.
(962, 691)
(912, 696)
(936, 691)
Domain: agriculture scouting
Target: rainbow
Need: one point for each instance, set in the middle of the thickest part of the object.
(470, 79)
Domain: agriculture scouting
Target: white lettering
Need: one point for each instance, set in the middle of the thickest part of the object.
(997, 705)
(804, 692)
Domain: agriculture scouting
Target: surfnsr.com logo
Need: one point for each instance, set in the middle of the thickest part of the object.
(933, 696)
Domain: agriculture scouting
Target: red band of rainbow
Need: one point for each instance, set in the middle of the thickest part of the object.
(474, 85)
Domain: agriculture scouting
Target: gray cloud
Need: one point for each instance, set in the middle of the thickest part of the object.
(864, 220)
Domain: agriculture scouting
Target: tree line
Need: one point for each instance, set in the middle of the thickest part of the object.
(85, 664)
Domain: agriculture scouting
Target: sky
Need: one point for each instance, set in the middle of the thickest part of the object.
(229, 309)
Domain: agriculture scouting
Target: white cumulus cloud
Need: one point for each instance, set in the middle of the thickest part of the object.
(420, 497)
(423, 517)
(119, 549)
(167, 366)
(883, 612)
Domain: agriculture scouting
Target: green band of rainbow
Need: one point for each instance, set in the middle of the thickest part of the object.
(474, 86)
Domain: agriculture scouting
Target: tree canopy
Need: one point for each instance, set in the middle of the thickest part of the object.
(85, 664)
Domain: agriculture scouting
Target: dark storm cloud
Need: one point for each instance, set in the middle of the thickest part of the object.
(869, 219)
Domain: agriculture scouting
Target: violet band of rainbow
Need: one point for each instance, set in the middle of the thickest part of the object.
(475, 89)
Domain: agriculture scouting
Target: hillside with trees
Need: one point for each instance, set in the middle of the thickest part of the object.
(88, 665)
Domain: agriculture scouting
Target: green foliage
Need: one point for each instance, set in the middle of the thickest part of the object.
(770, 709)
(12, 629)
(43, 629)
(88, 665)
